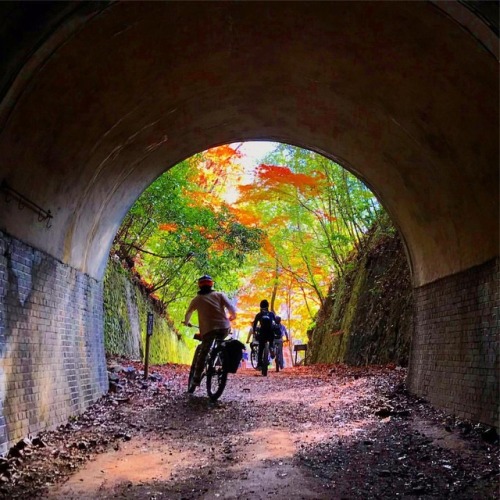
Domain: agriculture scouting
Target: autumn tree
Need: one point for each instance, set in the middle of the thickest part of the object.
(181, 227)
(314, 214)
(282, 233)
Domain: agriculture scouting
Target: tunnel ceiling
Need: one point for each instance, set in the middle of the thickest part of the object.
(100, 99)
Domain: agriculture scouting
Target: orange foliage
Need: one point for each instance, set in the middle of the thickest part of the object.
(168, 226)
(219, 246)
(204, 198)
(275, 179)
(268, 247)
(222, 154)
(273, 174)
(324, 215)
(245, 217)
(214, 166)
(280, 220)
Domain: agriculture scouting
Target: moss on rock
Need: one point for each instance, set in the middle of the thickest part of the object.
(125, 318)
(368, 317)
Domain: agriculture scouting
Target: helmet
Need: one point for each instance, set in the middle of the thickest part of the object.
(264, 304)
(205, 280)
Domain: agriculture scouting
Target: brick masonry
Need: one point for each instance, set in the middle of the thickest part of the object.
(52, 362)
(454, 361)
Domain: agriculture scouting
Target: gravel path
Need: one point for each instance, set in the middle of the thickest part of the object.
(322, 432)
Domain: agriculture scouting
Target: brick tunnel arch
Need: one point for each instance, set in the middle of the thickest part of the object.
(100, 99)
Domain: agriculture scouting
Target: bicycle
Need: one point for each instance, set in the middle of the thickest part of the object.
(214, 369)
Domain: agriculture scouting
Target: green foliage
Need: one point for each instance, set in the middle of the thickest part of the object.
(293, 232)
(315, 215)
(117, 328)
(338, 216)
(172, 236)
(125, 319)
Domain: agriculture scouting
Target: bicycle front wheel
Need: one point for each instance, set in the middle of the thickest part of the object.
(216, 377)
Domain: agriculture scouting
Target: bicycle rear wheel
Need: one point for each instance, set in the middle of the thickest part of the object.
(216, 376)
(191, 386)
(265, 359)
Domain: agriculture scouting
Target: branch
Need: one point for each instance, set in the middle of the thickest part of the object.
(187, 257)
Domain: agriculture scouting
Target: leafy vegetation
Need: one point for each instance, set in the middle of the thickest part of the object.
(282, 230)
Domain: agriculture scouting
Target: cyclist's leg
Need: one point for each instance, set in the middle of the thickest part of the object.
(206, 342)
(279, 352)
(220, 334)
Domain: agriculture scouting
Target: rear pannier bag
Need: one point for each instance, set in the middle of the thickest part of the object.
(233, 352)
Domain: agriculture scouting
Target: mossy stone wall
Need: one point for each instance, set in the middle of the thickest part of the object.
(368, 316)
(125, 318)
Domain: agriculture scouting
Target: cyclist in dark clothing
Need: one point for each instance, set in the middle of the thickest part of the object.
(265, 319)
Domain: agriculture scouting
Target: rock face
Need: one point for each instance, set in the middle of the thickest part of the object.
(368, 316)
(125, 318)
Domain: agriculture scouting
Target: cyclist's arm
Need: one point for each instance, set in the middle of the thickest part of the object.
(189, 312)
(250, 335)
(229, 307)
(255, 322)
(286, 333)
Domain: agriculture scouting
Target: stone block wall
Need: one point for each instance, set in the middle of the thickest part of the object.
(52, 362)
(454, 360)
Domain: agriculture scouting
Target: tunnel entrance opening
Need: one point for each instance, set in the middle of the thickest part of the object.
(291, 227)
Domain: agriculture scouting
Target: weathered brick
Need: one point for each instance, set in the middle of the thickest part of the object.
(50, 330)
(454, 358)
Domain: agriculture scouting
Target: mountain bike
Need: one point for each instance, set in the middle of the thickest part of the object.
(214, 369)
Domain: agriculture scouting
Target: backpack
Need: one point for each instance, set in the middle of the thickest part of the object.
(266, 322)
(277, 331)
(233, 352)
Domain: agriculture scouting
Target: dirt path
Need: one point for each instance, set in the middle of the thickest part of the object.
(309, 433)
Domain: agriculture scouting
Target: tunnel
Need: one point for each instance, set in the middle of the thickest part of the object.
(97, 99)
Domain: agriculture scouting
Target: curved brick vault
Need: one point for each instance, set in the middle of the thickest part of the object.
(98, 99)
(398, 93)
